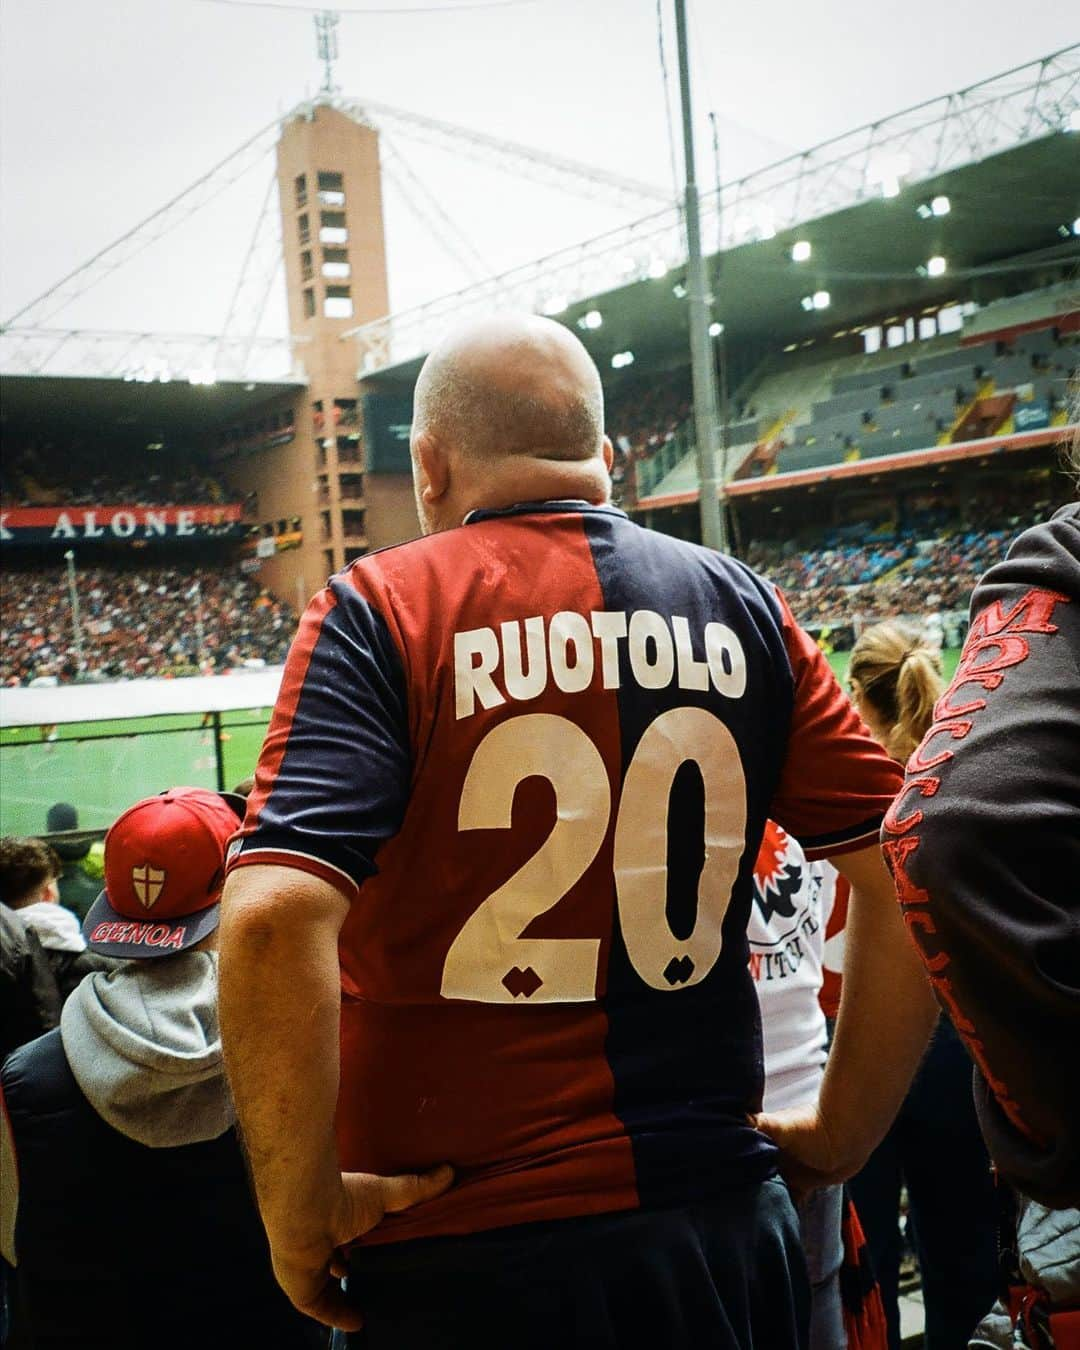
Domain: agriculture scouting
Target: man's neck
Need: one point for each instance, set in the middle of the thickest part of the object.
(529, 479)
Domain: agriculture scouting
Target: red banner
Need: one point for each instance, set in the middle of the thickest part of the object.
(41, 524)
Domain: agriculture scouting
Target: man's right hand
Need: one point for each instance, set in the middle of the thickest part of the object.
(310, 1271)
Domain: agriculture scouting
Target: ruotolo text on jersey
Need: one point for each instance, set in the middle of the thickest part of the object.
(518, 660)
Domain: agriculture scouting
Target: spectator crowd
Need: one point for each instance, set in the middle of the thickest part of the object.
(82, 476)
(135, 623)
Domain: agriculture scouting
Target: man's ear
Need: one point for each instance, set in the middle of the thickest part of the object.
(434, 468)
(609, 453)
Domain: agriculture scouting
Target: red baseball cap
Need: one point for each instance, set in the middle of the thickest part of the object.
(164, 870)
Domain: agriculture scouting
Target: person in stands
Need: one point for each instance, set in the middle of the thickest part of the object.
(934, 1147)
(29, 884)
(125, 1205)
(984, 843)
(793, 902)
(77, 890)
(489, 904)
(29, 997)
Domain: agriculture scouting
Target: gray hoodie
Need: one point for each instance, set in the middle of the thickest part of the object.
(144, 1046)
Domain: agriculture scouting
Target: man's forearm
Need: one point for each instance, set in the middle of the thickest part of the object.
(279, 1002)
(887, 1013)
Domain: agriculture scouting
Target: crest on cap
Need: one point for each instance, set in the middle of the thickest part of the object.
(148, 883)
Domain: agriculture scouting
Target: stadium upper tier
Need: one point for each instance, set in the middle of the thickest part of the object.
(138, 622)
(1004, 373)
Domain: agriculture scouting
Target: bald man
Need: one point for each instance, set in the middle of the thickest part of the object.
(489, 905)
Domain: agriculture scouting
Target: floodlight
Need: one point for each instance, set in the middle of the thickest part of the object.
(715, 329)
(935, 266)
(657, 269)
(555, 304)
(591, 319)
(924, 210)
(941, 206)
(1076, 225)
(800, 250)
(1074, 120)
(807, 302)
(679, 291)
(821, 300)
(621, 359)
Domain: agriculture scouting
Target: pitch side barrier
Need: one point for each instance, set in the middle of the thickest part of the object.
(102, 746)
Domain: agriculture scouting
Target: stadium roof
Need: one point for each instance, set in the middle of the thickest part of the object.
(127, 411)
(1006, 148)
(1004, 226)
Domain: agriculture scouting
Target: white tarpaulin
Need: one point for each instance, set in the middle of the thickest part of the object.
(139, 698)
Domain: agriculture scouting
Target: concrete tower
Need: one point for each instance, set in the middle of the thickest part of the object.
(335, 268)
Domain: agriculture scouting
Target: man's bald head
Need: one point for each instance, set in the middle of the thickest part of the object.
(511, 385)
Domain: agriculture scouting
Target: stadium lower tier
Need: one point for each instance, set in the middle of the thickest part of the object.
(177, 621)
(136, 623)
(848, 586)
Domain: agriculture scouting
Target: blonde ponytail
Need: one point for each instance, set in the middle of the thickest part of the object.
(918, 688)
(896, 675)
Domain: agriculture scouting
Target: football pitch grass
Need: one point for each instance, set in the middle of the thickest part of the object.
(102, 767)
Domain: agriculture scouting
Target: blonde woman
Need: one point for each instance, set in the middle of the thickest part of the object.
(934, 1147)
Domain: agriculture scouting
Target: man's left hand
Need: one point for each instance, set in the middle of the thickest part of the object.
(310, 1271)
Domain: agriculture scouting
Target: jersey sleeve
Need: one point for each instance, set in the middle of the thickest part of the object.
(333, 777)
(984, 843)
(837, 782)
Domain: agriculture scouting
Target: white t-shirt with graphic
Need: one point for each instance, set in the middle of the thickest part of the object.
(792, 902)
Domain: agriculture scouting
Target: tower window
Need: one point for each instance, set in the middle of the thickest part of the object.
(309, 303)
(336, 263)
(331, 189)
(338, 303)
(301, 189)
(332, 229)
(306, 269)
(304, 227)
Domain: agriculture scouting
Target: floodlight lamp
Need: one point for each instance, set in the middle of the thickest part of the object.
(679, 291)
(657, 269)
(621, 359)
(715, 329)
(890, 187)
(807, 302)
(801, 250)
(821, 300)
(591, 320)
(935, 266)
(941, 206)
(1076, 226)
(924, 210)
(555, 304)
(1074, 120)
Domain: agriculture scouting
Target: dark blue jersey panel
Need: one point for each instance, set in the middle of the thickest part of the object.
(342, 784)
(687, 1062)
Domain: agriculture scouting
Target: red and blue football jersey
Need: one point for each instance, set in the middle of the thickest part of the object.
(537, 754)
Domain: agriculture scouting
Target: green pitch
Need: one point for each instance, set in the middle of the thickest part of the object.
(102, 767)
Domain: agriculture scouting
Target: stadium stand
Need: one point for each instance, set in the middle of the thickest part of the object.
(1006, 370)
(917, 564)
(74, 475)
(149, 621)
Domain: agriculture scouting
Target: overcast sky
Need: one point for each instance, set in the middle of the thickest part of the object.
(111, 107)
